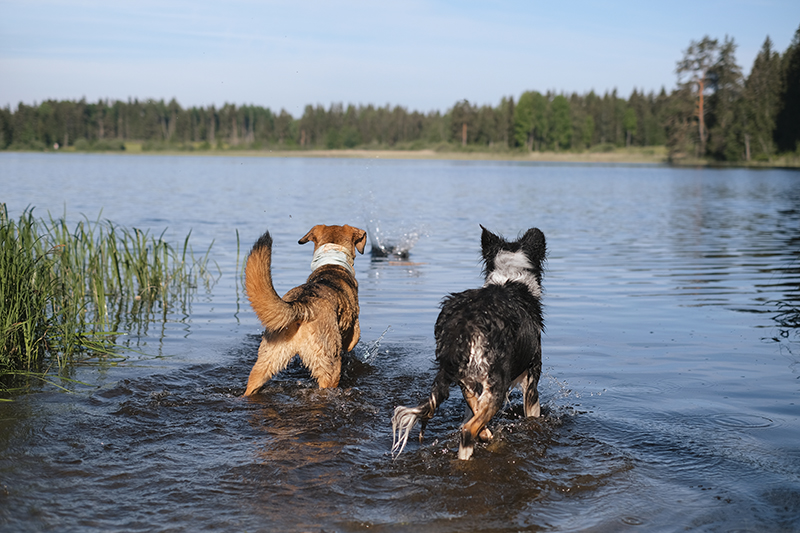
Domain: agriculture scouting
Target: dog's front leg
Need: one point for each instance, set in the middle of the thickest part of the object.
(350, 341)
(484, 408)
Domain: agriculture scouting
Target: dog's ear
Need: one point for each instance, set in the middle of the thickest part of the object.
(310, 236)
(533, 243)
(489, 243)
(359, 239)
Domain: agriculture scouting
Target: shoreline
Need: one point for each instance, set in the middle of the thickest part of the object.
(429, 154)
(639, 155)
(649, 155)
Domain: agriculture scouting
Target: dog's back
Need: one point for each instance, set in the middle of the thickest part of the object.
(488, 339)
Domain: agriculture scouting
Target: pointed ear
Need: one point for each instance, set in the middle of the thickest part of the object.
(489, 242)
(534, 243)
(359, 239)
(310, 236)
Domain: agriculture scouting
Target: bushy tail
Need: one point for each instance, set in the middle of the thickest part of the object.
(274, 313)
(405, 418)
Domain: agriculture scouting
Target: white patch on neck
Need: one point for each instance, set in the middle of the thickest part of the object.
(333, 254)
(513, 266)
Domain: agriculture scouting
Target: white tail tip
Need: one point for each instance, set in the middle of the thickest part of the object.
(403, 421)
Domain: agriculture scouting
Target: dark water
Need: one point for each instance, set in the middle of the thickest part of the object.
(670, 392)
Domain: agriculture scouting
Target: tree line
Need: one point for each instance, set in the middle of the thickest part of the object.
(720, 113)
(713, 112)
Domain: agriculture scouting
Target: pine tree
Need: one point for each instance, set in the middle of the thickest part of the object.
(530, 120)
(695, 65)
(762, 93)
(561, 130)
(725, 80)
(787, 124)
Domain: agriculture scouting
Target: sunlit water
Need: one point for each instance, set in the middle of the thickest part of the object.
(670, 392)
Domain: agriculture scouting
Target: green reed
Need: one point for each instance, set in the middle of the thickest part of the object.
(67, 292)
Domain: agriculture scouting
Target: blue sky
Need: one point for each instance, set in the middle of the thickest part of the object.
(423, 55)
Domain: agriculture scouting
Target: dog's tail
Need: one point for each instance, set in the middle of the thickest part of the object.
(273, 312)
(405, 418)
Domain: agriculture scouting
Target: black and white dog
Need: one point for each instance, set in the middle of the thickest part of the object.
(487, 340)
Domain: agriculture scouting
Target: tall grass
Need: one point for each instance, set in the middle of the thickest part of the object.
(65, 293)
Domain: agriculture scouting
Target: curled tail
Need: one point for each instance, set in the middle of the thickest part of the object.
(273, 312)
(405, 418)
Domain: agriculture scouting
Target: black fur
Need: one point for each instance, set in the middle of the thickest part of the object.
(487, 339)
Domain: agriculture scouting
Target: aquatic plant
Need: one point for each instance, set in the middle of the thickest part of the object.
(788, 319)
(66, 293)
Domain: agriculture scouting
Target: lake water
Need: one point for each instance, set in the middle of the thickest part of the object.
(671, 395)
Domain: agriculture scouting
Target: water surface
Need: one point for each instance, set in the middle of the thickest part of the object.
(670, 393)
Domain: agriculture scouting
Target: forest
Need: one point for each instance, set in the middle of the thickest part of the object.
(714, 112)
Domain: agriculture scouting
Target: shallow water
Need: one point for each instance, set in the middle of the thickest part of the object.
(670, 393)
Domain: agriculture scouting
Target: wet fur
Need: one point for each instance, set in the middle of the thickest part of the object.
(487, 340)
(317, 320)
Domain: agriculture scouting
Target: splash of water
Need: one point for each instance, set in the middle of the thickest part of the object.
(366, 354)
(385, 244)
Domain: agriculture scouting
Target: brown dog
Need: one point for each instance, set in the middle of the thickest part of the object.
(317, 320)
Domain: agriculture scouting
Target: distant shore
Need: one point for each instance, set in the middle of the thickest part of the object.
(637, 155)
(554, 157)
(646, 155)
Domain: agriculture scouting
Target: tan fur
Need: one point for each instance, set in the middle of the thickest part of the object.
(483, 408)
(317, 320)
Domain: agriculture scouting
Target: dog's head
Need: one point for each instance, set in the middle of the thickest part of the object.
(346, 236)
(526, 253)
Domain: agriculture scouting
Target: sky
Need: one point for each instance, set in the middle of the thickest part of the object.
(422, 55)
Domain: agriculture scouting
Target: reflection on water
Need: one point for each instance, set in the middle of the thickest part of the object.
(669, 388)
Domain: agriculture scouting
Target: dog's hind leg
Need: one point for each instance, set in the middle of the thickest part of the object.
(531, 394)
(328, 375)
(272, 358)
(322, 355)
(485, 435)
(484, 408)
